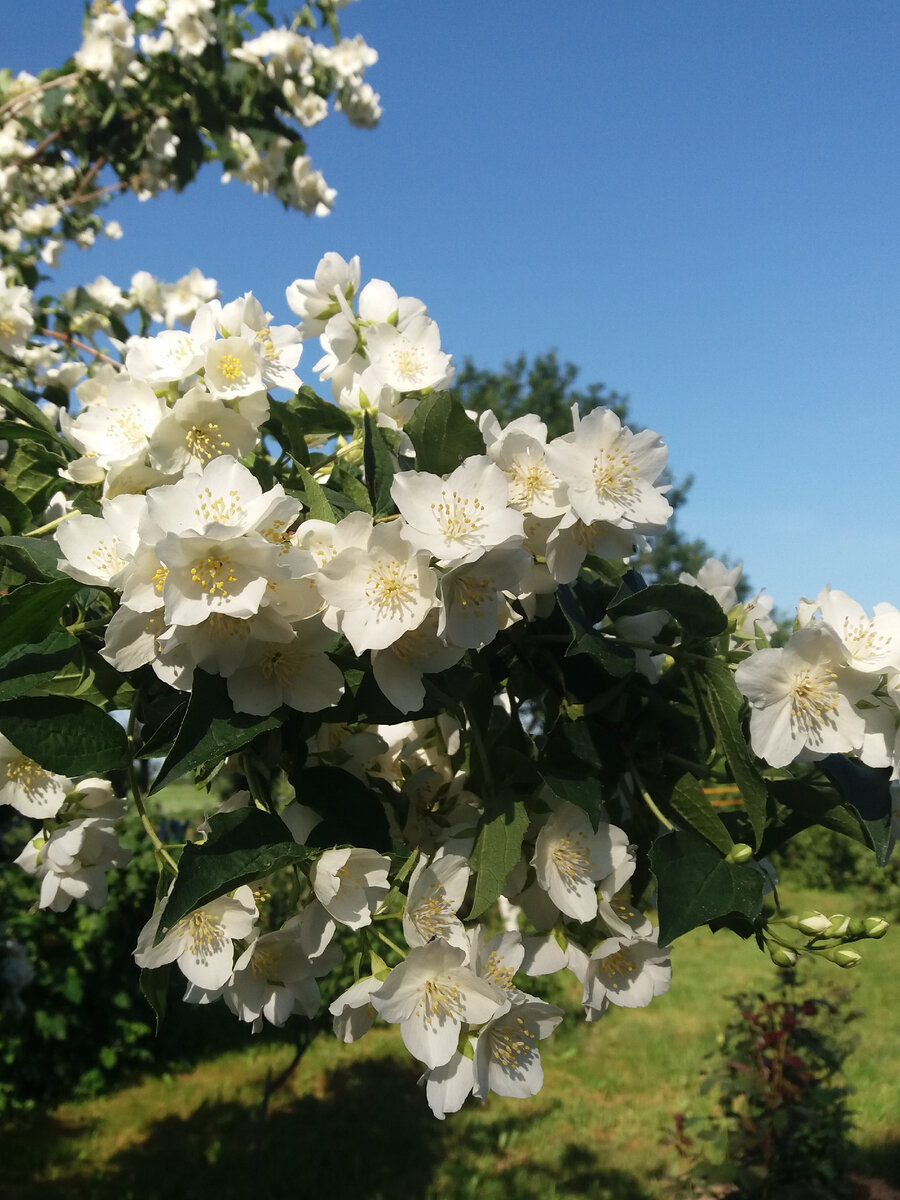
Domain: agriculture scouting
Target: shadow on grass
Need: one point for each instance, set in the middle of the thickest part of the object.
(370, 1135)
(880, 1162)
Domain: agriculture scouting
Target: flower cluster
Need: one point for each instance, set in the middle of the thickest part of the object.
(834, 688)
(317, 571)
(77, 843)
(164, 54)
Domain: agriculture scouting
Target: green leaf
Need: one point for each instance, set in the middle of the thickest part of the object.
(867, 792)
(696, 885)
(352, 813)
(26, 666)
(14, 515)
(379, 468)
(723, 702)
(12, 431)
(64, 735)
(242, 846)
(351, 492)
(442, 434)
(14, 402)
(318, 416)
(317, 503)
(32, 474)
(498, 847)
(210, 730)
(288, 429)
(688, 800)
(154, 985)
(35, 558)
(695, 610)
(577, 785)
(29, 613)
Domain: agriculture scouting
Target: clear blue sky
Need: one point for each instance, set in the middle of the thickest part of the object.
(698, 204)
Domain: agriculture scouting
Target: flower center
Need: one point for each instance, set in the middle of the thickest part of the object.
(441, 999)
(433, 915)
(614, 476)
(221, 509)
(814, 700)
(572, 858)
(530, 480)
(458, 517)
(212, 575)
(512, 1047)
(105, 558)
(206, 442)
(387, 586)
(496, 972)
(231, 368)
(26, 774)
(205, 935)
(7, 327)
(407, 362)
(615, 967)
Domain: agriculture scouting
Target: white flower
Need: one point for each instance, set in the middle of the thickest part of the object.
(72, 862)
(99, 550)
(298, 673)
(610, 472)
(381, 591)
(398, 668)
(626, 973)
(352, 1010)
(472, 595)
(431, 995)
(436, 890)
(27, 787)
(409, 360)
(716, 579)
(506, 1056)
(570, 859)
(350, 883)
(870, 644)
(315, 300)
(202, 942)
(519, 451)
(464, 511)
(796, 704)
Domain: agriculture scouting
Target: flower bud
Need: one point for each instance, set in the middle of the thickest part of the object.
(813, 923)
(843, 956)
(875, 927)
(840, 923)
(740, 852)
(857, 927)
(781, 956)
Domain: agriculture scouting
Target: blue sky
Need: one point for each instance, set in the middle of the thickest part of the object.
(695, 203)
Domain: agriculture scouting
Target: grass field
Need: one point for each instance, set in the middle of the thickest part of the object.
(350, 1120)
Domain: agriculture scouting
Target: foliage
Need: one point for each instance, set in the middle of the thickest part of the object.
(782, 1110)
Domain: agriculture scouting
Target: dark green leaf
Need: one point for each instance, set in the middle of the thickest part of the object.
(577, 785)
(316, 501)
(867, 791)
(723, 702)
(154, 984)
(64, 735)
(242, 846)
(210, 730)
(379, 468)
(12, 431)
(688, 800)
(498, 847)
(29, 613)
(352, 813)
(14, 515)
(32, 474)
(35, 558)
(351, 491)
(26, 666)
(14, 402)
(442, 434)
(318, 416)
(696, 885)
(695, 610)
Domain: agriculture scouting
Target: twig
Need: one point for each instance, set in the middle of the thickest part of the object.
(70, 341)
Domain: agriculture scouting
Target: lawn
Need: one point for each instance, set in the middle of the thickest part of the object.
(351, 1121)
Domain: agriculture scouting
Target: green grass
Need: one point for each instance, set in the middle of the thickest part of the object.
(351, 1121)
